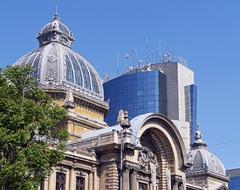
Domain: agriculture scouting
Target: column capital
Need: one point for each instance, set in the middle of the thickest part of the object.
(175, 179)
(93, 169)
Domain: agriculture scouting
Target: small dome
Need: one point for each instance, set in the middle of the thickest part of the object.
(202, 160)
(56, 25)
(55, 31)
(56, 64)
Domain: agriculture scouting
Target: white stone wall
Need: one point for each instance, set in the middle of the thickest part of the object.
(184, 129)
(178, 76)
(185, 78)
(170, 69)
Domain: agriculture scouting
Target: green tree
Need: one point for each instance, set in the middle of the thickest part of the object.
(31, 137)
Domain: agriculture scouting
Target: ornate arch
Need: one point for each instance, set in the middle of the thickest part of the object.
(160, 135)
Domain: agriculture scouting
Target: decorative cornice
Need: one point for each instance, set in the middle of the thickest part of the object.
(207, 173)
(88, 123)
(80, 94)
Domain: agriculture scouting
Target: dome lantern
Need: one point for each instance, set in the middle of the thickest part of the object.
(198, 139)
(55, 31)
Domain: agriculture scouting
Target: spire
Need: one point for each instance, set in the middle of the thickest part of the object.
(56, 17)
(198, 139)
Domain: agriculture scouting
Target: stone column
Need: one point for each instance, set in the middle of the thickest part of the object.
(175, 181)
(174, 186)
(46, 184)
(72, 183)
(133, 182)
(95, 180)
(67, 184)
(52, 180)
(90, 181)
(126, 179)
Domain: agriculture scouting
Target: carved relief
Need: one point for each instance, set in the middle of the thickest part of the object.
(51, 75)
(148, 163)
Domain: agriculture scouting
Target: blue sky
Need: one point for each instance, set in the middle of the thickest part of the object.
(205, 33)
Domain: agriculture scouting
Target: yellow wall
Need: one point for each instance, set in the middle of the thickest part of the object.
(89, 114)
(78, 128)
(84, 112)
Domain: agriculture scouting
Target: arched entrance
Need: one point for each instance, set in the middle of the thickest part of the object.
(156, 145)
(162, 153)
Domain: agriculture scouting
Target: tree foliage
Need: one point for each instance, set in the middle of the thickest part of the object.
(31, 142)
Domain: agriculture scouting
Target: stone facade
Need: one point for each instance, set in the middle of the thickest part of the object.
(147, 152)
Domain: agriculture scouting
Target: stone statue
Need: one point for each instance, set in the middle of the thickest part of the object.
(123, 119)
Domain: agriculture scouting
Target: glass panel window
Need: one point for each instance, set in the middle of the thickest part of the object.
(94, 82)
(85, 74)
(36, 66)
(78, 72)
(69, 70)
(60, 181)
(143, 186)
(80, 183)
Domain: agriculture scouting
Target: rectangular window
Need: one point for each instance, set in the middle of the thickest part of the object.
(80, 183)
(60, 181)
(143, 186)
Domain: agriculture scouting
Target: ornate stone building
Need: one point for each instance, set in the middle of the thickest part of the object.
(146, 153)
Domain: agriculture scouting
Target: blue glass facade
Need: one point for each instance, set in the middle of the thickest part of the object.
(234, 183)
(191, 109)
(139, 93)
(193, 92)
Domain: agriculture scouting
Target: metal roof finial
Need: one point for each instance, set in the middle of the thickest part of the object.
(198, 134)
(198, 138)
(56, 17)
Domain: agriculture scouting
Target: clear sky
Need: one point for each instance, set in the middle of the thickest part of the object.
(204, 32)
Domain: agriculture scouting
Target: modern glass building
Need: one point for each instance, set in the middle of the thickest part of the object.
(138, 92)
(234, 175)
(167, 88)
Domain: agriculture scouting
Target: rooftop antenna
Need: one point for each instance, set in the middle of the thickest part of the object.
(111, 69)
(146, 51)
(56, 10)
(156, 53)
(140, 63)
(136, 55)
(159, 50)
(118, 64)
(167, 56)
(127, 57)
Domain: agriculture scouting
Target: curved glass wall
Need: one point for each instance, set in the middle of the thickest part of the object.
(138, 93)
(234, 183)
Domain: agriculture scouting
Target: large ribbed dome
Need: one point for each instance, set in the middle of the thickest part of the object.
(57, 65)
(202, 160)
